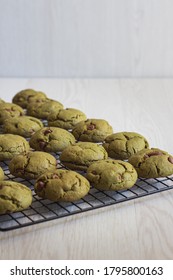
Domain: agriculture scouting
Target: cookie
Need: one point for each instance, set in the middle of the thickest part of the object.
(80, 155)
(43, 109)
(152, 163)
(62, 185)
(66, 118)
(92, 130)
(11, 145)
(14, 197)
(122, 145)
(25, 126)
(51, 139)
(24, 97)
(111, 175)
(9, 110)
(2, 101)
(1, 174)
(32, 164)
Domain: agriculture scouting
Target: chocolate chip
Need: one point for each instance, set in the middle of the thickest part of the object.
(170, 159)
(47, 131)
(40, 186)
(91, 126)
(146, 156)
(1, 187)
(42, 144)
(155, 153)
(55, 176)
(119, 177)
(32, 131)
(8, 110)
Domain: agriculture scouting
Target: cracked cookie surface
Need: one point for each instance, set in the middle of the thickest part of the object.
(152, 163)
(1, 174)
(9, 110)
(44, 109)
(122, 145)
(14, 197)
(62, 185)
(24, 97)
(51, 139)
(24, 126)
(11, 145)
(80, 155)
(66, 118)
(92, 130)
(111, 175)
(32, 164)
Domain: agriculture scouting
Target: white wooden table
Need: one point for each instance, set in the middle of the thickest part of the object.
(137, 229)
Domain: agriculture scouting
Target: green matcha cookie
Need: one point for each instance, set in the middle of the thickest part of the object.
(66, 118)
(122, 145)
(80, 155)
(43, 109)
(11, 145)
(24, 97)
(111, 175)
(62, 185)
(32, 164)
(2, 101)
(25, 126)
(9, 110)
(152, 163)
(51, 139)
(92, 130)
(1, 174)
(14, 197)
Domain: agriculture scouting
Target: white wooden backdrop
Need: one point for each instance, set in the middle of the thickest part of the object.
(86, 38)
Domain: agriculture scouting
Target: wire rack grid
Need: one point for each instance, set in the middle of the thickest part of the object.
(43, 210)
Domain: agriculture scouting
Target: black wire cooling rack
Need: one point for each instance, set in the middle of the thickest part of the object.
(43, 210)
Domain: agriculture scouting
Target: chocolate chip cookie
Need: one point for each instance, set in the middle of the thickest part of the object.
(80, 155)
(66, 118)
(9, 110)
(51, 139)
(62, 185)
(24, 97)
(92, 130)
(32, 164)
(25, 126)
(43, 109)
(11, 145)
(111, 175)
(152, 163)
(122, 145)
(14, 197)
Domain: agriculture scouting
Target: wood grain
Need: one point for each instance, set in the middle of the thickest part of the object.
(93, 38)
(138, 229)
